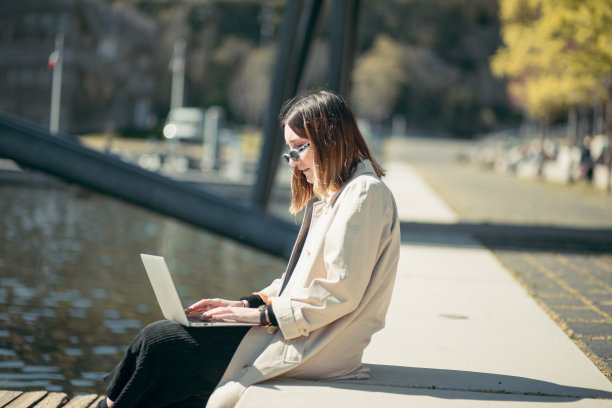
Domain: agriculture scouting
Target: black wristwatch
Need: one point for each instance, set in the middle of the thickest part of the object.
(263, 320)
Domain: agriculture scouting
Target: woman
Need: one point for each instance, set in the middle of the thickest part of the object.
(320, 315)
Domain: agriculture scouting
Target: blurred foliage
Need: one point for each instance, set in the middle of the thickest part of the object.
(378, 79)
(249, 90)
(425, 60)
(444, 48)
(557, 54)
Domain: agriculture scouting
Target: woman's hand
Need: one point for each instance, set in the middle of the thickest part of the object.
(209, 304)
(235, 314)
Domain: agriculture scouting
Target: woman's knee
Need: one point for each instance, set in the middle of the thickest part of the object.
(161, 327)
(163, 332)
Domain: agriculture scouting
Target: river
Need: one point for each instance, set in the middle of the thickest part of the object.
(73, 291)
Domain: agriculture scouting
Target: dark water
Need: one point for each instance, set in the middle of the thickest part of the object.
(73, 291)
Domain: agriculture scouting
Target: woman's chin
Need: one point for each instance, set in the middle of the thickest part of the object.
(309, 177)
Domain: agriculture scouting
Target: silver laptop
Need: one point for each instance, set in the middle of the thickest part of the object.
(168, 297)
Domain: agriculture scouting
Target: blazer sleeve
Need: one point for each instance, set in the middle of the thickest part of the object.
(350, 252)
(274, 288)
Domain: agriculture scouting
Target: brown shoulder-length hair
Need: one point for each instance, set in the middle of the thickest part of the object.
(327, 121)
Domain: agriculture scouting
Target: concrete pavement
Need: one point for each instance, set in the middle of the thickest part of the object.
(556, 240)
(461, 332)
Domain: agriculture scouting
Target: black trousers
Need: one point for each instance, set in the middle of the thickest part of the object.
(169, 365)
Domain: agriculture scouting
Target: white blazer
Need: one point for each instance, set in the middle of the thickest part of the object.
(342, 270)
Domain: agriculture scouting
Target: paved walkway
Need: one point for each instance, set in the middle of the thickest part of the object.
(555, 239)
(461, 331)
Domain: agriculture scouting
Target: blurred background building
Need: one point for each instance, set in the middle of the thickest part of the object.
(108, 80)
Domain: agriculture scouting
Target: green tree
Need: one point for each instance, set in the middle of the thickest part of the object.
(378, 79)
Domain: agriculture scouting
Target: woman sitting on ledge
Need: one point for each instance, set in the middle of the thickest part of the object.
(318, 317)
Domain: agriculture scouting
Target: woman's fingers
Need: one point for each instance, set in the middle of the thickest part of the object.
(201, 306)
(197, 306)
(237, 314)
(219, 313)
(207, 304)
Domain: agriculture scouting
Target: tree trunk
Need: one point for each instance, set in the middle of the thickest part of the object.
(608, 156)
(544, 132)
(572, 124)
(598, 117)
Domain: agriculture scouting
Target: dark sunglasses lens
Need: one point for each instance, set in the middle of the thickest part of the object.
(286, 157)
(294, 155)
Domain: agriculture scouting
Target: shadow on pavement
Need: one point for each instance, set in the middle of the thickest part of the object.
(457, 384)
(509, 237)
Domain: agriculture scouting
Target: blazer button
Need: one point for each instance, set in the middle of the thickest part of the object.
(272, 329)
(245, 369)
(303, 331)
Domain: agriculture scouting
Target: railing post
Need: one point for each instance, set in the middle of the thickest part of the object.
(295, 38)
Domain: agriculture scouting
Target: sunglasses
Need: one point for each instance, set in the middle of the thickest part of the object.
(294, 154)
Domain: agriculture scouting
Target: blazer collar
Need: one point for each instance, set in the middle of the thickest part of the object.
(364, 167)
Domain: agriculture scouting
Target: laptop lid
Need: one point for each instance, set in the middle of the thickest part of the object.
(164, 288)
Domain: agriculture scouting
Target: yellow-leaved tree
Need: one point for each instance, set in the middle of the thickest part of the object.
(557, 54)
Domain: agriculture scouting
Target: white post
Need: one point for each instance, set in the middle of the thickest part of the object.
(177, 65)
(212, 127)
(56, 85)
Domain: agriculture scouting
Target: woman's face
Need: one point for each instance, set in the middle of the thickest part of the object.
(306, 163)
